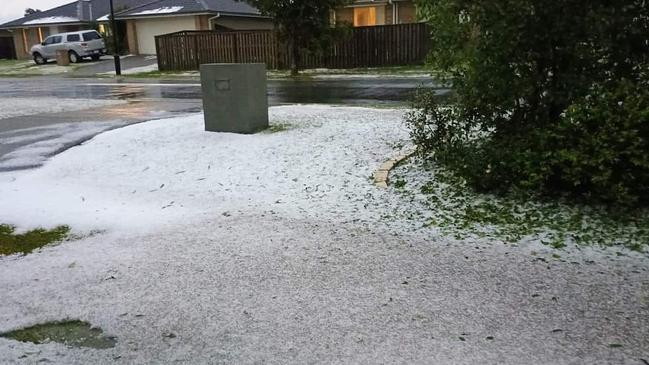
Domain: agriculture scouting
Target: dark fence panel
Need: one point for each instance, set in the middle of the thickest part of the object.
(387, 45)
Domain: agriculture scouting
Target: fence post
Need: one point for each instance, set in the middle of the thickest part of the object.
(235, 45)
(197, 52)
(158, 54)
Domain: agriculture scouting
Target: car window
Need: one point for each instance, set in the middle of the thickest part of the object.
(74, 38)
(53, 40)
(89, 36)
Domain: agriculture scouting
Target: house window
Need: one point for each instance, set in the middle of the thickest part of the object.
(364, 16)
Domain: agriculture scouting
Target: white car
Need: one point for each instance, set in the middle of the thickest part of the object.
(85, 43)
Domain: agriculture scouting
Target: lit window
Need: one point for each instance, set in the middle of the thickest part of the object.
(364, 16)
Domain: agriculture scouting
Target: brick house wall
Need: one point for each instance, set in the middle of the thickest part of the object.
(407, 12)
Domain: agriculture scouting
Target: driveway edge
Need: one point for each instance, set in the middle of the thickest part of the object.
(382, 175)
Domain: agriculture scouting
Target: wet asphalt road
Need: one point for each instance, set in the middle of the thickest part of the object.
(150, 99)
(345, 91)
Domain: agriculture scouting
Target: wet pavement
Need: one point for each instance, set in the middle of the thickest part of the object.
(107, 65)
(133, 111)
(346, 91)
(150, 99)
(52, 133)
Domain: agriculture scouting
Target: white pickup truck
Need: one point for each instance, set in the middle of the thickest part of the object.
(85, 43)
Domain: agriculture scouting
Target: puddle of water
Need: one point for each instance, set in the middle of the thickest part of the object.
(70, 333)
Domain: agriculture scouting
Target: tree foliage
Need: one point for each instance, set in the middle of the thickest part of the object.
(30, 11)
(550, 95)
(305, 24)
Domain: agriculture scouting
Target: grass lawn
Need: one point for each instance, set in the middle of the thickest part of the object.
(21, 68)
(308, 74)
(160, 74)
(12, 243)
(402, 71)
(11, 63)
(9, 66)
(71, 333)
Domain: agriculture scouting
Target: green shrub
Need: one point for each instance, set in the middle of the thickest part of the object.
(550, 96)
(601, 145)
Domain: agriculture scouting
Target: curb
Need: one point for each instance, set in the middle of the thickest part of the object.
(381, 176)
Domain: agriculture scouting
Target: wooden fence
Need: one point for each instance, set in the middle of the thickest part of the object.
(387, 45)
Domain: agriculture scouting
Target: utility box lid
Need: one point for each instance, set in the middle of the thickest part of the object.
(234, 97)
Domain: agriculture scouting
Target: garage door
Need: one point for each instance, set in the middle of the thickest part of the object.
(7, 48)
(147, 29)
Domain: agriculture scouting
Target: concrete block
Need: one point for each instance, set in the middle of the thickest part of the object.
(234, 97)
(380, 176)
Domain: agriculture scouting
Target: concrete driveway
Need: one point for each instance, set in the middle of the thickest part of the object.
(107, 65)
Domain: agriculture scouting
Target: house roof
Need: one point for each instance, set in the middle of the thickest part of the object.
(68, 14)
(180, 7)
(100, 9)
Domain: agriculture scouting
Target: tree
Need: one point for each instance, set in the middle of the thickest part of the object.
(551, 95)
(304, 24)
(30, 11)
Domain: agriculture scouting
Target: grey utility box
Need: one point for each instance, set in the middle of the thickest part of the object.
(234, 97)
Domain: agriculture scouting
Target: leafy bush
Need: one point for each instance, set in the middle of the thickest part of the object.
(601, 145)
(550, 96)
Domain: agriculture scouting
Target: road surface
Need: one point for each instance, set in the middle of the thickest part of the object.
(156, 99)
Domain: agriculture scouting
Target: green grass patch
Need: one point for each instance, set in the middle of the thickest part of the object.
(379, 71)
(151, 74)
(461, 212)
(10, 63)
(400, 184)
(278, 127)
(69, 333)
(308, 75)
(394, 70)
(25, 243)
(163, 74)
(23, 68)
(387, 105)
(10, 67)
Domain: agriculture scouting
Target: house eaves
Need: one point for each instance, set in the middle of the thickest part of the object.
(67, 14)
(147, 16)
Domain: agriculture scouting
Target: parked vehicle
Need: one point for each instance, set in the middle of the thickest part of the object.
(85, 43)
